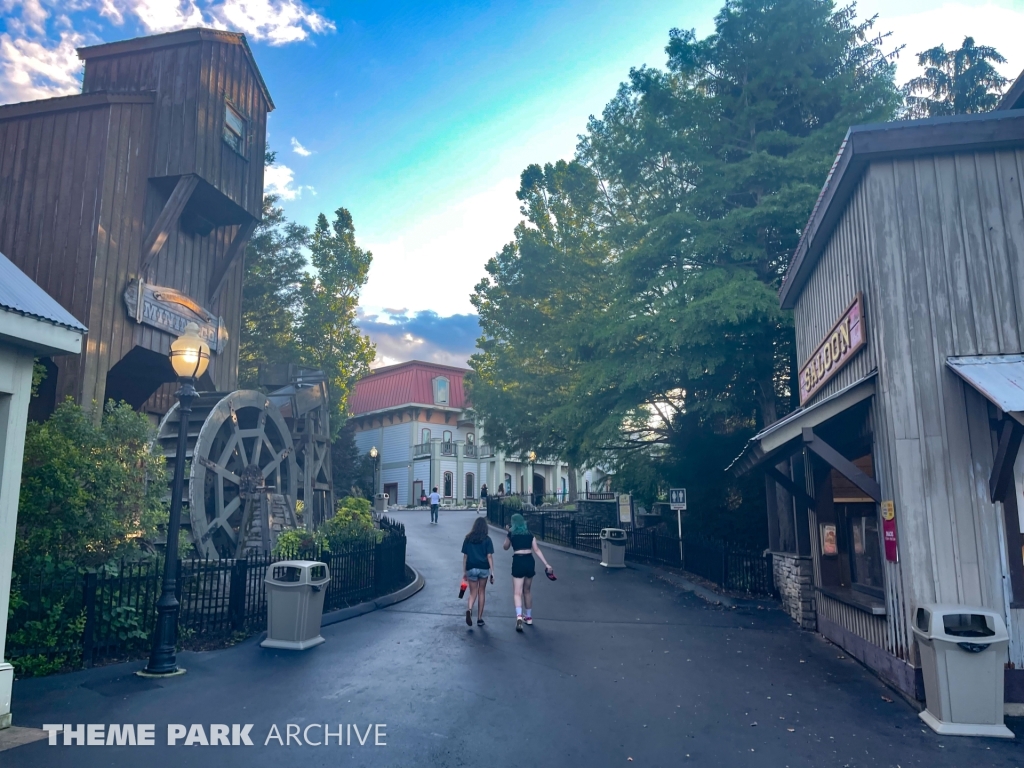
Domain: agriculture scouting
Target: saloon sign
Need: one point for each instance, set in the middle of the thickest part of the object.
(838, 347)
(171, 310)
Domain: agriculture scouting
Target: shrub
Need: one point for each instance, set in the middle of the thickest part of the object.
(352, 523)
(89, 493)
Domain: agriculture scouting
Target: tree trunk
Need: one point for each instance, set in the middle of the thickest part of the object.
(572, 483)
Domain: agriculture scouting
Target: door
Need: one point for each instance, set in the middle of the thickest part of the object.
(391, 489)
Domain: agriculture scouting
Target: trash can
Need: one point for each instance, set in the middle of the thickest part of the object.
(963, 648)
(295, 604)
(613, 548)
(380, 502)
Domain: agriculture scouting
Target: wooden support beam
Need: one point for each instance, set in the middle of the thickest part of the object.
(795, 491)
(1010, 435)
(168, 216)
(842, 465)
(231, 255)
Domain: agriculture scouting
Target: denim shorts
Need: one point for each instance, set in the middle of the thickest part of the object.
(478, 574)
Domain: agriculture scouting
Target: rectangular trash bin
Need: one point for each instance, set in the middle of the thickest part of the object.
(963, 650)
(380, 502)
(295, 604)
(613, 548)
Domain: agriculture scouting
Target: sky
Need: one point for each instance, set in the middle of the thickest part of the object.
(419, 117)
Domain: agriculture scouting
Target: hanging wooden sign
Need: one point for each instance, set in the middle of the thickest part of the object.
(171, 310)
(836, 350)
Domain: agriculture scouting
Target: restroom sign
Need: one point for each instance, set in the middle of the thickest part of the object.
(889, 531)
(677, 499)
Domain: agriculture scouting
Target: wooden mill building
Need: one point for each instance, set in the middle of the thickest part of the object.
(131, 204)
(902, 463)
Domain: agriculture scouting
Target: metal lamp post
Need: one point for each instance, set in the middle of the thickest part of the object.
(375, 455)
(190, 356)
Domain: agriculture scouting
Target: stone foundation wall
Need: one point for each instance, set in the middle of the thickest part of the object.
(794, 581)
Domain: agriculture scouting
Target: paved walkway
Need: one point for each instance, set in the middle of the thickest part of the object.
(619, 665)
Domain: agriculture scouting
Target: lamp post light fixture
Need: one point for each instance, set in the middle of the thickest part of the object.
(375, 455)
(189, 357)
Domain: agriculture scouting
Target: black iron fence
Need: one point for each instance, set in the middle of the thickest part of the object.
(711, 559)
(62, 618)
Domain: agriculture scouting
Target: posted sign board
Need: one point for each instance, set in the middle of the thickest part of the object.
(840, 344)
(889, 531)
(677, 499)
(625, 508)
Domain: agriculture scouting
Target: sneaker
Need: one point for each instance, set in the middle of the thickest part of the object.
(469, 618)
(519, 623)
(529, 621)
(479, 622)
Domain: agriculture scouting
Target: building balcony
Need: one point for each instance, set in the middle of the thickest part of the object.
(469, 451)
(421, 450)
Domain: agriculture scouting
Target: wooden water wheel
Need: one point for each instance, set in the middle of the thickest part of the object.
(240, 447)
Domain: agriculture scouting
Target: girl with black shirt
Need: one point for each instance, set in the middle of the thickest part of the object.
(524, 547)
(477, 566)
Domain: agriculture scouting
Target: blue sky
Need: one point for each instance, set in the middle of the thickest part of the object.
(419, 117)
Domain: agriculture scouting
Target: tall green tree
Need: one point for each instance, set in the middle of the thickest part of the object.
(537, 307)
(959, 82)
(274, 267)
(711, 170)
(326, 333)
(274, 262)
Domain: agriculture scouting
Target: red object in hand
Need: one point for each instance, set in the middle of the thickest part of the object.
(462, 589)
(551, 574)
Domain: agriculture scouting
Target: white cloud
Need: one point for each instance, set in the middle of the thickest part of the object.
(280, 180)
(35, 64)
(277, 22)
(298, 149)
(32, 70)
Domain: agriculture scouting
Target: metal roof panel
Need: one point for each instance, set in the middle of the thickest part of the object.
(18, 293)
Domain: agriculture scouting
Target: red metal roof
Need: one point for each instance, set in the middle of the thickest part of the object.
(405, 383)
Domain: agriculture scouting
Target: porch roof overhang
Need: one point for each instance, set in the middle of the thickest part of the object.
(999, 378)
(785, 436)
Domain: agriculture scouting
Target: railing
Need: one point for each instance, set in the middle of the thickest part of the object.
(447, 449)
(711, 559)
(64, 619)
(421, 449)
(599, 496)
(486, 452)
(469, 451)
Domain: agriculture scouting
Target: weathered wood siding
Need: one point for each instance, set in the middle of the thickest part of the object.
(72, 182)
(934, 243)
(191, 81)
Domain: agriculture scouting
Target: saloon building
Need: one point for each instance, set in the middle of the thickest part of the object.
(131, 204)
(419, 418)
(903, 483)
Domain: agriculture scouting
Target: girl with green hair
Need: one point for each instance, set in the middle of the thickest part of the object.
(524, 546)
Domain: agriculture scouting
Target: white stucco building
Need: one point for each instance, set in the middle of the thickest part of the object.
(31, 324)
(418, 417)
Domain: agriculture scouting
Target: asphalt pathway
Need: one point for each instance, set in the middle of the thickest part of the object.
(620, 669)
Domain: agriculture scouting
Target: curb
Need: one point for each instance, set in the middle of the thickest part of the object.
(369, 606)
(673, 578)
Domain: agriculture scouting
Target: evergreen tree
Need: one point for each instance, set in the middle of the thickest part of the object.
(326, 333)
(537, 309)
(960, 82)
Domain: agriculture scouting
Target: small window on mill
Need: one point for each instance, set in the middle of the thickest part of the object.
(235, 128)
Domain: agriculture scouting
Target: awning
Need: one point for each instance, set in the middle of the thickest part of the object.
(1000, 378)
(785, 436)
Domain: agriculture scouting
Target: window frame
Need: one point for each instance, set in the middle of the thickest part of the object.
(470, 485)
(448, 484)
(447, 390)
(242, 150)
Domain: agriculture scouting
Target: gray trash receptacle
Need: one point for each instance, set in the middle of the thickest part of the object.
(295, 604)
(380, 502)
(613, 548)
(963, 648)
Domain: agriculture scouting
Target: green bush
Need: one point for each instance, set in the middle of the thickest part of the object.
(89, 493)
(58, 633)
(353, 523)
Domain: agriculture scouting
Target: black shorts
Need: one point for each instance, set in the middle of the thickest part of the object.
(523, 567)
